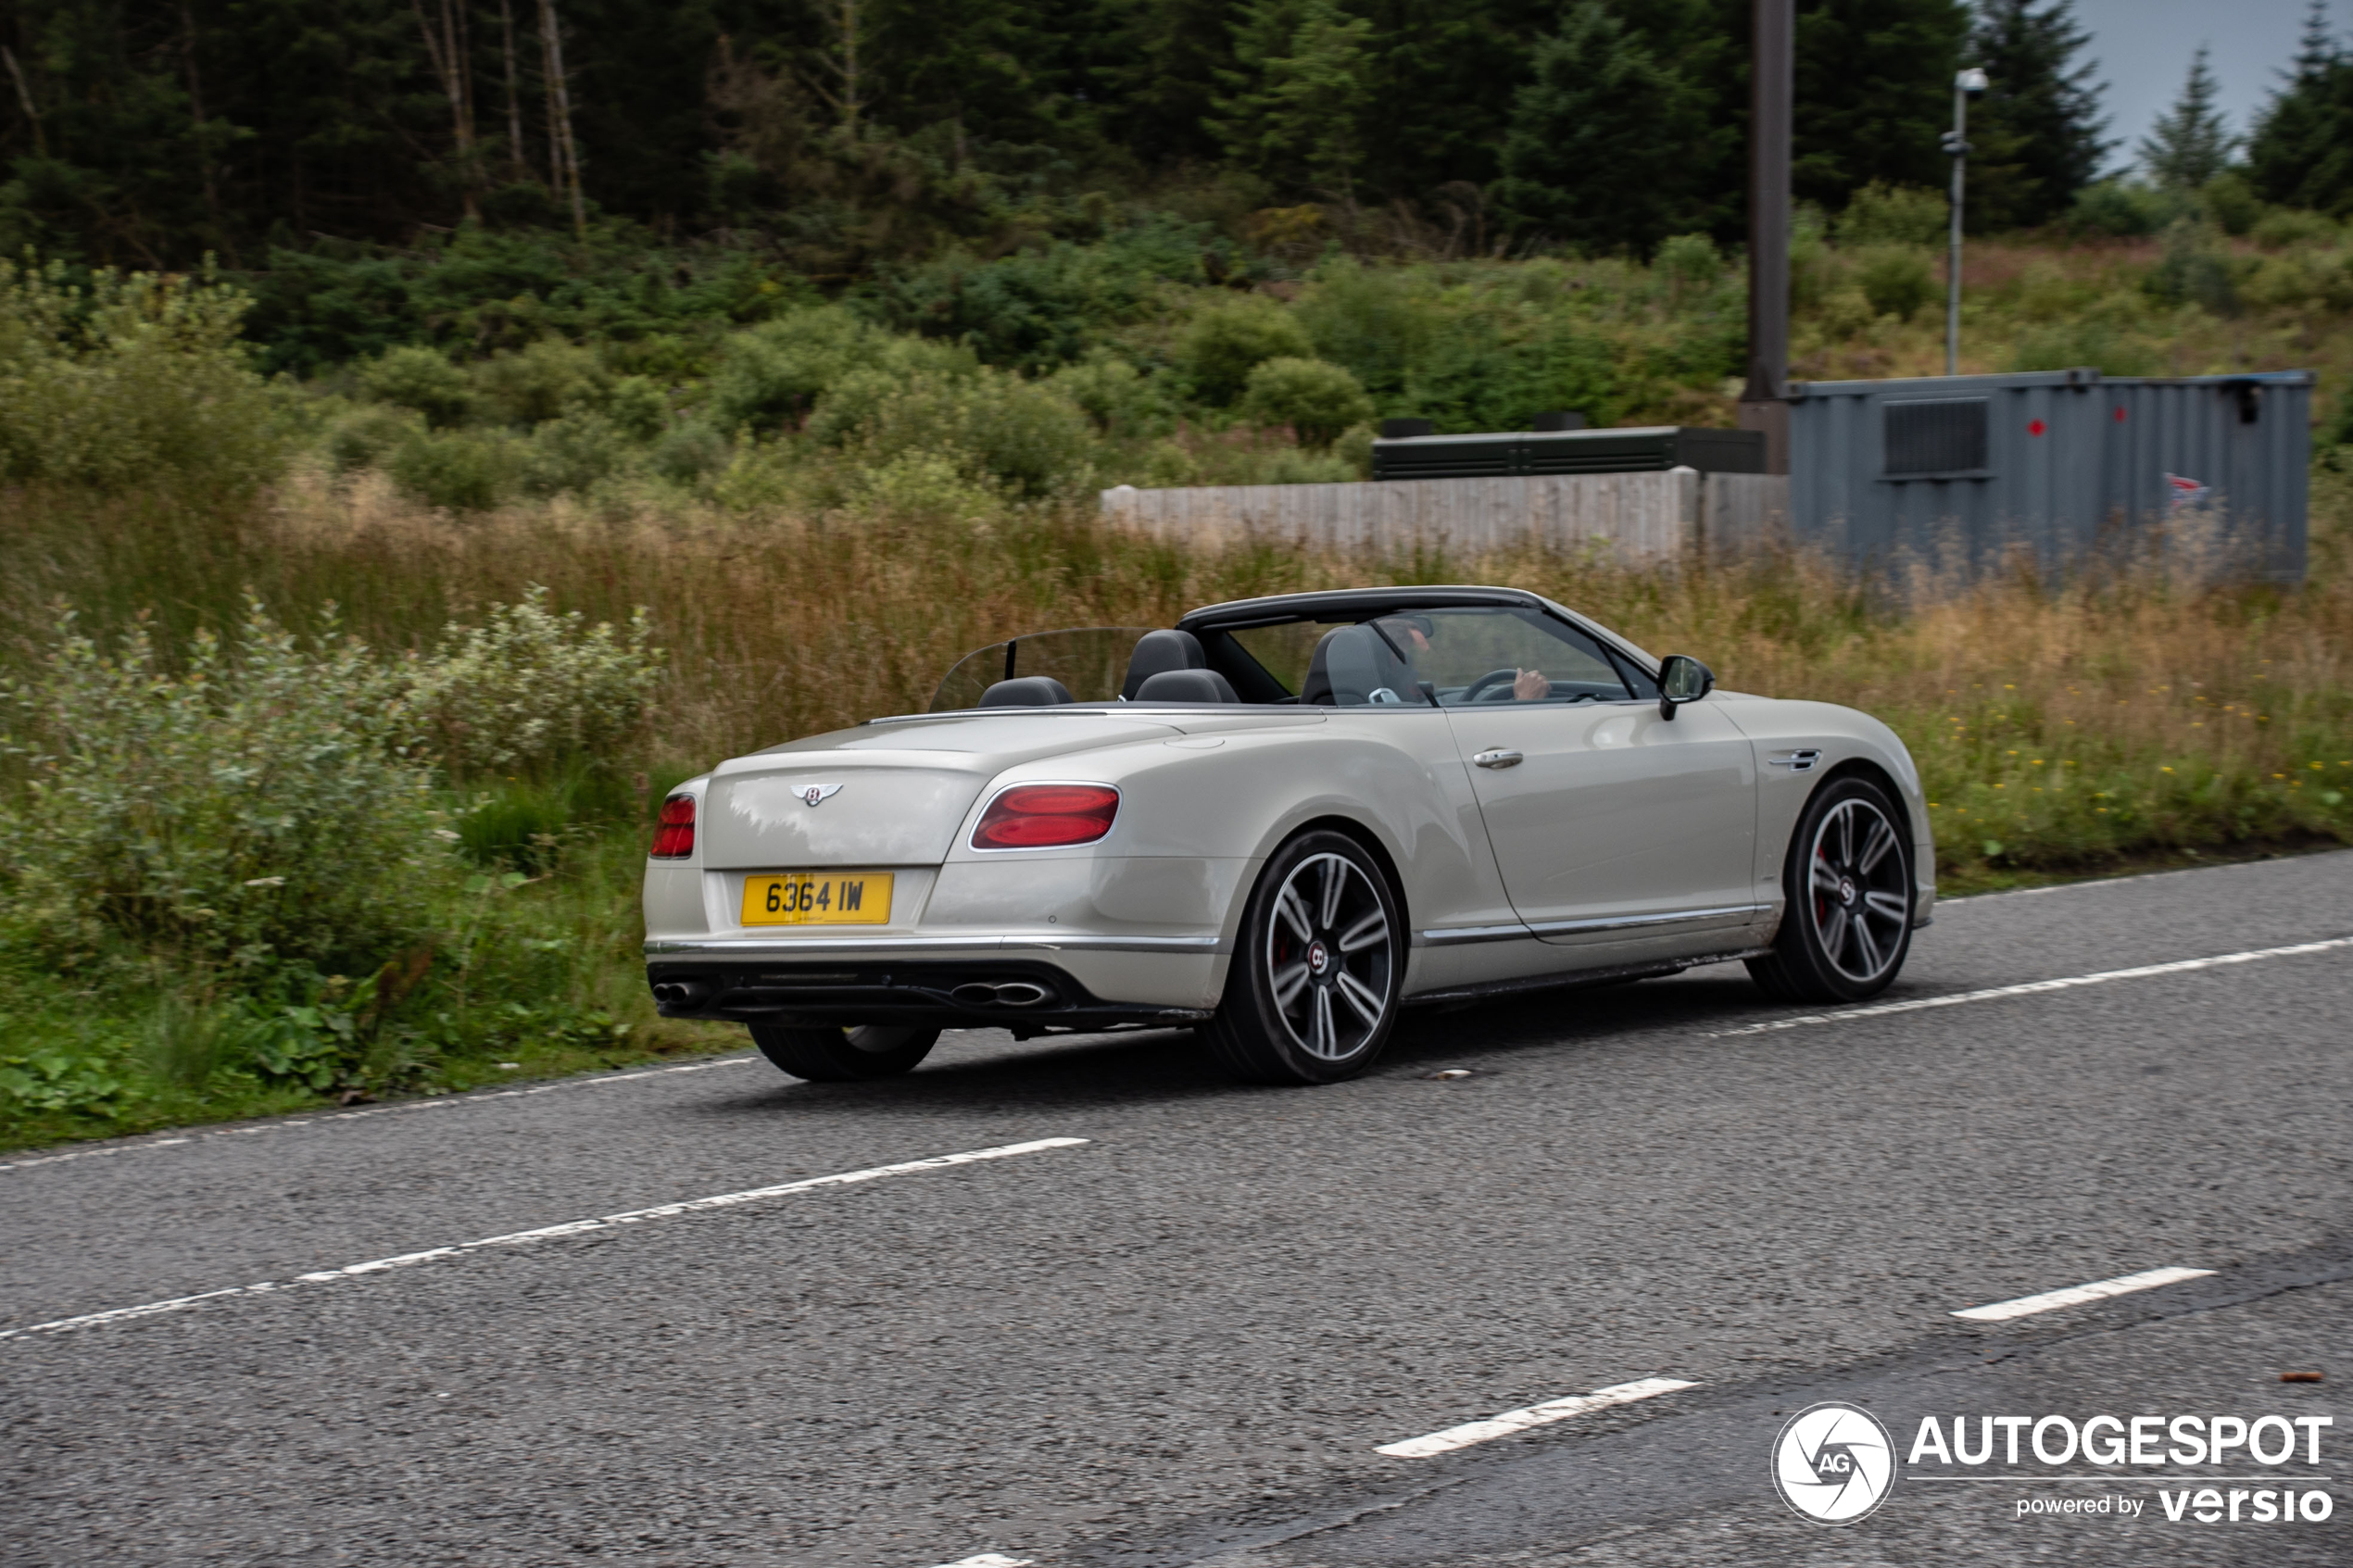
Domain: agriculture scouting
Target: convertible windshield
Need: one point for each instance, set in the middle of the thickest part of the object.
(1454, 656)
(1090, 660)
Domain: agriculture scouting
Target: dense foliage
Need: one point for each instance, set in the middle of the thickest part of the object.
(828, 139)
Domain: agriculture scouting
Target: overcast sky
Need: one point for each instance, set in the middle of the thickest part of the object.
(2143, 49)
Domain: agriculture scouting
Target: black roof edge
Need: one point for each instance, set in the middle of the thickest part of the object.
(1339, 602)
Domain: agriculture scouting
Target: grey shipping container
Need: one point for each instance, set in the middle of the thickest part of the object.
(2056, 461)
(1643, 449)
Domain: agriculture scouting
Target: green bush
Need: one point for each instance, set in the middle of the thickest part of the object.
(1880, 214)
(265, 803)
(1023, 435)
(575, 452)
(638, 408)
(772, 375)
(2123, 209)
(2197, 267)
(466, 471)
(420, 379)
(132, 380)
(1315, 399)
(1689, 261)
(367, 436)
(1896, 279)
(2229, 203)
(547, 380)
(2283, 226)
(530, 689)
(1124, 402)
(1224, 344)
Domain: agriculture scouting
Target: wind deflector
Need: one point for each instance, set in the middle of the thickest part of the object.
(1090, 660)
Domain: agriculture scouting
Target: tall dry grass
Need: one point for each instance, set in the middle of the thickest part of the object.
(2066, 725)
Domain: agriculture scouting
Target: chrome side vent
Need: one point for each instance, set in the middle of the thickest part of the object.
(1800, 761)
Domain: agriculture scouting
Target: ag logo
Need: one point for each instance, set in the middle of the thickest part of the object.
(1833, 1464)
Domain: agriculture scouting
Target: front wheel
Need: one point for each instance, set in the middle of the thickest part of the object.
(1312, 995)
(1848, 922)
(844, 1056)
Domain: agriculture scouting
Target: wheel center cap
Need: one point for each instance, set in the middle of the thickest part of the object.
(1846, 890)
(1319, 958)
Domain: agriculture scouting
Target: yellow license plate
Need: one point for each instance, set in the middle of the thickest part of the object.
(818, 898)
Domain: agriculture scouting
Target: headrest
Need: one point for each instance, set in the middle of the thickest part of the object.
(1186, 686)
(1352, 667)
(1158, 651)
(1027, 691)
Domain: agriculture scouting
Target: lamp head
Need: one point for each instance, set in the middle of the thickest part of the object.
(1971, 81)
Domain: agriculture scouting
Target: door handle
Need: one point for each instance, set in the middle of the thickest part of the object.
(1497, 758)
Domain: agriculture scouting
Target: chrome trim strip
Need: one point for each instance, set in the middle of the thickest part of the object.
(1455, 936)
(1568, 927)
(823, 946)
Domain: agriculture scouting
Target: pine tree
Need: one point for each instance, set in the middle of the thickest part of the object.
(2189, 144)
(1874, 93)
(1298, 94)
(2301, 152)
(1599, 149)
(2037, 130)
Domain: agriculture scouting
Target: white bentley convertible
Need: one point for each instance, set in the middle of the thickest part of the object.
(1280, 822)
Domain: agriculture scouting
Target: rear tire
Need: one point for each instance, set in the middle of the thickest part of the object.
(1312, 995)
(844, 1056)
(1846, 924)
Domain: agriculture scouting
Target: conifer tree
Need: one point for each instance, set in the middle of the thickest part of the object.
(2301, 152)
(1298, 94)
(2189, 144)
(2037, 130)
(1598, 152)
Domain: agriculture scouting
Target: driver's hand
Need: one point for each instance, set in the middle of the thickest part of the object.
(1530, 686)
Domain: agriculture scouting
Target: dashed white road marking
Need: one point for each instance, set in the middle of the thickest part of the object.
(481, 1097)
(989, 1560)
(2036, 987)
(1503, 1425)
(546, 1233)
(2076, 1294)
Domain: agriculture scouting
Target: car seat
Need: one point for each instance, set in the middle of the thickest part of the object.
(1159, 652)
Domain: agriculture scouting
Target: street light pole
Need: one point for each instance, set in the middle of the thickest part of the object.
(1967, 85)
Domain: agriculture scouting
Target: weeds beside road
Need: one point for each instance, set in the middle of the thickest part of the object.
(2060, 731)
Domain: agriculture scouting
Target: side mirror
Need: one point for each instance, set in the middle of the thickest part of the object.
(1682, 679)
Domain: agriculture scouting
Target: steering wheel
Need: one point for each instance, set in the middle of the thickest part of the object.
(1503, 677)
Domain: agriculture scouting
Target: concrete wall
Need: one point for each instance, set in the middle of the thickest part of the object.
(1643, 517)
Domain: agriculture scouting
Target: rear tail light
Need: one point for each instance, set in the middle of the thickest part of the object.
(1046, 817)
(674, 830)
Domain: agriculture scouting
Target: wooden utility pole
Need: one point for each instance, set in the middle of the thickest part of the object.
(24, 96)
(1773, 95)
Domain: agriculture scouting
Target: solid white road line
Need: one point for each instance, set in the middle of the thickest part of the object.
(478, 1097)
(2036, 987)
(989, 1560)
(2075, 1296)
(1503, 1425)
(546, 1232)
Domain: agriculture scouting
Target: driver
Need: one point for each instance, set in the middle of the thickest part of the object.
(1412, 636)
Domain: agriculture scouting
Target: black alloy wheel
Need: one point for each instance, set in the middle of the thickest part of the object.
(1312, 992)
(1847, 924)
(844, 1056)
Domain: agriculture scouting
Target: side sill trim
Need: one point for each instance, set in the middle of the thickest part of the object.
(1636, 923)
(769, 947)
(1567, 978)
(1448, 936)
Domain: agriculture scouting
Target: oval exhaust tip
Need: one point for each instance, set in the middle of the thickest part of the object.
(977, 994)
(1021, 993)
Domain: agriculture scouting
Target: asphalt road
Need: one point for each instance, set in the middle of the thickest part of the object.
(1182, 1340)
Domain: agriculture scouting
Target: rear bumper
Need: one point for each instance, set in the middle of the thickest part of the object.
(960, 981)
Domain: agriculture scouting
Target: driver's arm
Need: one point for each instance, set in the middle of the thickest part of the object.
(1530, 686)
